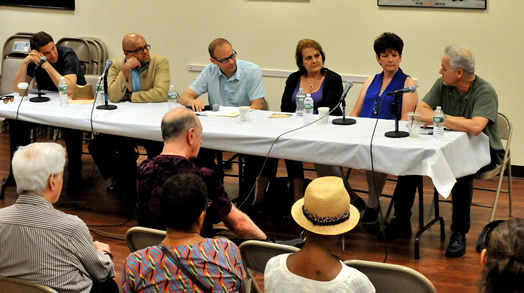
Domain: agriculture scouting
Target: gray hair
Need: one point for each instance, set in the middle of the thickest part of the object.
(460, 57)
(34, 163)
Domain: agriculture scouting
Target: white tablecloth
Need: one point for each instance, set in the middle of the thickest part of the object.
(456, 155)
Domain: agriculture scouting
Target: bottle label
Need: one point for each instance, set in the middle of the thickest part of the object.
(308, 106)
(300, 99)
(172, 97)
(62, 88)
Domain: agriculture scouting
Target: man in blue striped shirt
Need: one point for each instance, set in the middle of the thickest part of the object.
(42, 245)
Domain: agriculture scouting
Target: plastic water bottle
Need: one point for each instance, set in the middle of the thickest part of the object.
(300, 102)
(62, 92)
(100, 96)
(438, 123)
(308, 109)
(172, 98)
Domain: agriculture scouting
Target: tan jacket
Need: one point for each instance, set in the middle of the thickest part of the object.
(155, 81)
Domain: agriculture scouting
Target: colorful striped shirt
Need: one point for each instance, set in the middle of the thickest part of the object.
(216, 262)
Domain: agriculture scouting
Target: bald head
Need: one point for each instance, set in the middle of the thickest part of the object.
(177, 122)
(129, 41)
(216, 43)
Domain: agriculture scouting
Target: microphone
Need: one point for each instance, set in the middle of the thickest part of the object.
(409, 89)
(349, 85)
(106, 106)
(42, 61)
(343, 120)
(109, 62)
(213, 108)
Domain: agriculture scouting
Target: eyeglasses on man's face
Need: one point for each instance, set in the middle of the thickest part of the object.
(226, 60)
(140, 50)
(8, 99)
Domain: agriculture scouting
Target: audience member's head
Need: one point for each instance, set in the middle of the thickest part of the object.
(325, 209)
(303, 44)
(460, 57)
(40, 39)
(35, 163)
(503, 258)
(182, 129)
(177, 122)
(388, 41)
(183, 201)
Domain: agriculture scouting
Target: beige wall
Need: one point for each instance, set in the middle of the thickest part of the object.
(266, 32)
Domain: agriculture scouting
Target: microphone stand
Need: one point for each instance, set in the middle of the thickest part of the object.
(396, 110)
(343, 120)
(40, 98)
(106, 106)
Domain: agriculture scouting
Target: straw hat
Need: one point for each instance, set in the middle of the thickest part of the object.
(325, 208)
(83, 92)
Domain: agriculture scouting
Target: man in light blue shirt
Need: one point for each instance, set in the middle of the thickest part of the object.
(228, 82)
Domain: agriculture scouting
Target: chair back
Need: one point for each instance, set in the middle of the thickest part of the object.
(10, 67)
(92, 79)
(141, 237)
(392, 278)
(256, 254)
(82, 50)
(505, 129)
(17, 285)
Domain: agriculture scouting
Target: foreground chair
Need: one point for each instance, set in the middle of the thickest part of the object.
(17, 285)
(393, 278)
(255, 255)
(140, 237)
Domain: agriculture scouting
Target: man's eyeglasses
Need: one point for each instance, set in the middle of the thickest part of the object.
(140, 50)
(226, 60)
(8, 99)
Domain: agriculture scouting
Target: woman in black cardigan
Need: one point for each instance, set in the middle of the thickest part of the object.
(325, 87)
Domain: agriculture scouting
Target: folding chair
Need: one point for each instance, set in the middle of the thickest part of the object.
(256, 254)
(141, 237)
(392, 278)
(17, 285)
(505, 131)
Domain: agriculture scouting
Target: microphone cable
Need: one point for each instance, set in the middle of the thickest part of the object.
(26, 92)
(386, 246)
(93, 107)
(271, 148)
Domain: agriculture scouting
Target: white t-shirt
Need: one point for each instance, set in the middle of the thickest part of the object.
(278, 278)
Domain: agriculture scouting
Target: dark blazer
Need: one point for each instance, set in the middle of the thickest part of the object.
(331, 92)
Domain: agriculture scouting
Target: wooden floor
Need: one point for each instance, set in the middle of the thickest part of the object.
(110, 216)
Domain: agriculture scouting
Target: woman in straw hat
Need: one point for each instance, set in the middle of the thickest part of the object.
(325, 213)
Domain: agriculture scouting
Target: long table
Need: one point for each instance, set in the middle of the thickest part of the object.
(456, 155)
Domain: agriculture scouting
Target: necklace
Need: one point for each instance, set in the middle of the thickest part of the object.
(310, 84)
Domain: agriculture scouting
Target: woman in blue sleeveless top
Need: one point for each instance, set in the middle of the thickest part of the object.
(373, 102)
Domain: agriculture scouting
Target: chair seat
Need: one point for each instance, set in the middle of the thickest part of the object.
(489, 173)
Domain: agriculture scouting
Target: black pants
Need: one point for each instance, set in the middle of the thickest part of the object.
(295, 169)
(107, 286)
(20, 135)
(116, 157)
(461, 198)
